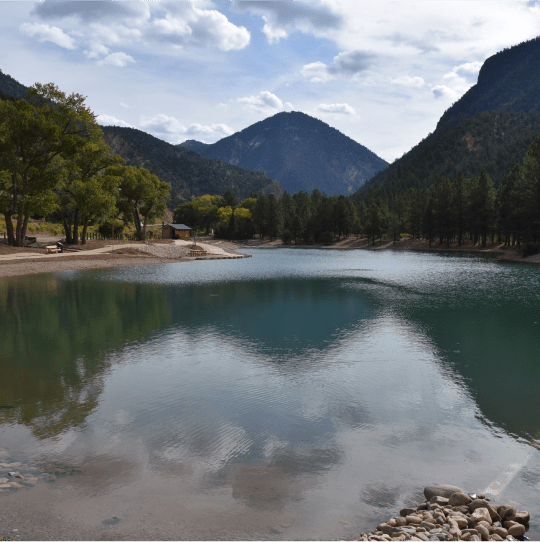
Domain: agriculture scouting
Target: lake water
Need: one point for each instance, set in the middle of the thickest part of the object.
(293, 395)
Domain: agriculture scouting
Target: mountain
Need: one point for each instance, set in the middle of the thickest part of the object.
(10, 87)
(188, 173)
(299, 151)
(490, 127)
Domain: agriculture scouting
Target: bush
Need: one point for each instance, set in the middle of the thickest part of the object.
(286, 237)
(327, 238)
(105, 228)
(529, 249)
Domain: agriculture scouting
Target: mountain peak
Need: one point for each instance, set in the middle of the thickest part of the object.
(299, 151)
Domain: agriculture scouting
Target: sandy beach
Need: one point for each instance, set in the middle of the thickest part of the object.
(17, 261)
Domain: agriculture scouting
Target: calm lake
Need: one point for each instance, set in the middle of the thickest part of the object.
(293, 395)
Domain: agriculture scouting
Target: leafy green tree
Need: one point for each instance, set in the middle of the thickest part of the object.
(443, 208)
(141, 194)
(85, 194)
(38, 138)
(274, 219)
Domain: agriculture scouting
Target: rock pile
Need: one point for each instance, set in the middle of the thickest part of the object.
(450, 514)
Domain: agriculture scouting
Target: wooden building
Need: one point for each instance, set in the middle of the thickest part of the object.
(176, 231)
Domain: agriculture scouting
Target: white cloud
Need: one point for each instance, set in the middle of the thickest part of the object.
(124, 105)
(95, 50)
(108, 120)
(265, 102)
(408, 81)
(287, 16)
(442, 91)
(336, 109)
(145, 25)
(468, 70)
(346, 64)
(120, 60)
(44, 32)
(172, 130)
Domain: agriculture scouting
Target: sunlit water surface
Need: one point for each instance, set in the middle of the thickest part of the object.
(293, 395)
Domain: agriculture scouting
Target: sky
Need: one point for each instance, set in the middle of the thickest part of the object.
(381, 72)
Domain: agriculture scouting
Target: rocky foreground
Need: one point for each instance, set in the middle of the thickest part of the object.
(450, 514)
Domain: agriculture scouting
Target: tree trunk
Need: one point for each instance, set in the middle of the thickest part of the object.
(137, 224)
(76, 227)
(9, 229)
(19, 241)
(24, 228)
(85, 228)
(67, 230)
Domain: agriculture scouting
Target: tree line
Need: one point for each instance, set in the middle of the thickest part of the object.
(299, 218)
(53, 163)
(462, 209)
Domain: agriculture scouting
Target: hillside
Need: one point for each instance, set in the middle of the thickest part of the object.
(299, 151)
(10, 87)
(188, 173)
(501, 111)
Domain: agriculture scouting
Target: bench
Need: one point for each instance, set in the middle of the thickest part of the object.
(52, 248)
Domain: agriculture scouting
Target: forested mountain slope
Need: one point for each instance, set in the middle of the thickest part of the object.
(501, 110)
(10, 87)
(299, 151)
(188, 173)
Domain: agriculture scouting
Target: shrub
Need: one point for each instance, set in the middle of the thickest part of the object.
(286, 237)
(105, 228)
(327, 238)
(529, 249)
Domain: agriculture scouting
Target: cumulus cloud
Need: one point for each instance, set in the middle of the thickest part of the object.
(201, 28)
(442, 91)
(408, 81)
(176, 24)
(96, 50)
(284, 17)
(108, 120)
(89, 11)
(336, 109)
(44, 32)
(120, 60)
(172, 130)
(265, 102)
(468, 70)
(345, 64)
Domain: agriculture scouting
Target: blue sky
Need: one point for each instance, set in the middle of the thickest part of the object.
(382, 72)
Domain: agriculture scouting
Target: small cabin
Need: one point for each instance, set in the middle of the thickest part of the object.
(176, 231)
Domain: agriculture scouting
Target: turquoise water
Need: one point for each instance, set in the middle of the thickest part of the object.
(295, 394)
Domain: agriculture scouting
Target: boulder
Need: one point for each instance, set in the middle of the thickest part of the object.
(507, 511)
(483, 531)
(481, 503)
(517, 530)
(481, 514)
(522, 517)
(459, 499)
(501, 531)
(442, 490)
(415, 520)
(407, 512)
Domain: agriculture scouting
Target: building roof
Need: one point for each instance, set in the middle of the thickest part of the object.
(178, 226)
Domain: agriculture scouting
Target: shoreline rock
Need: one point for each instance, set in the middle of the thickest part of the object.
(448, 513)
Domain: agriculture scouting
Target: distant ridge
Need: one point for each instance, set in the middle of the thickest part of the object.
(188, 173)
(499, 115)
(299, 151)
(11, 87)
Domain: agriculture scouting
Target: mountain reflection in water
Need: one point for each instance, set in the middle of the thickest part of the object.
(295, 385)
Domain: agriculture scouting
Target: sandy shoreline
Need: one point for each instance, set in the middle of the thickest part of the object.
(18, 262)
